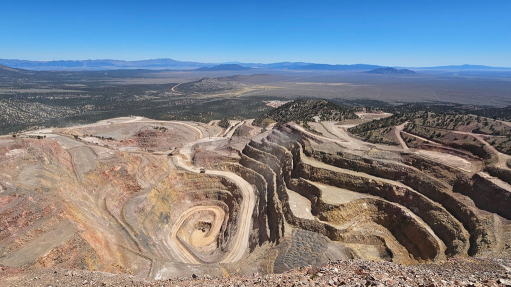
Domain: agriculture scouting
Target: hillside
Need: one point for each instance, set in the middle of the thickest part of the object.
(391, 71)
(208, 85)
(5, 70)
(465, 132)
(304, 111)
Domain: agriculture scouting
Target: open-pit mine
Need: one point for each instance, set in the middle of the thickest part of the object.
(162, 199)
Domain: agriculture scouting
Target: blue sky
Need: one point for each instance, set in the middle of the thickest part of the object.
(394, 33)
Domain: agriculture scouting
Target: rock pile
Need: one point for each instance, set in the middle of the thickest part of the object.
(452, 272)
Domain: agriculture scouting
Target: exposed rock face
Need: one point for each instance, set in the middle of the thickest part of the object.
(413, 215)
(64, 203)
(90, 207)
(488, 194)
(444, 224)
(500, 173)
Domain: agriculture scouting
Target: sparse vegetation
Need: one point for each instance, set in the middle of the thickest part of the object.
(303, 111)
(224, 122)
(448, 129)
(208, 86)
(81, 98)
(380, 131)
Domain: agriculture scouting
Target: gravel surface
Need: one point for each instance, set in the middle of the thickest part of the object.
(453, 272)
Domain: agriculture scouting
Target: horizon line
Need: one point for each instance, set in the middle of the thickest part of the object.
(254, 63)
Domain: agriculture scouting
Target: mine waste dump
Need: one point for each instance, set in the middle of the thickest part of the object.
(166, 199)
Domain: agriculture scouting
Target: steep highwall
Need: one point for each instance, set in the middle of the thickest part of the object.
(283, 155)
(412, 235)
(424, 248)
(444, 225)
(260, 229)
(500, 173)
(275, 214)
(473, 230)
(441, 215)
(487, 195)
(432, 168)
(233, 202)
(276, 166)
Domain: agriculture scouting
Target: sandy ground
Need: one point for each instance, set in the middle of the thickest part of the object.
(447, 159)
(300, 205)
(373, 116)
(335, 195)
(321, 128)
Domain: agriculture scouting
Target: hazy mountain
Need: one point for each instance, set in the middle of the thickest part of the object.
(102, 64)
(334, 67)
(310, 66)
(281, 65)
(160, 64)
(225, 67)
(466, 67)
(391, 71)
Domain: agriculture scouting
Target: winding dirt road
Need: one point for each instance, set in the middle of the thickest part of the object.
(241, 241)
(344, 139)
(174, 88)
(397, 132)
(233, 129)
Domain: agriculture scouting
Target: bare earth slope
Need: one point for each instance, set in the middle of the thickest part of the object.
(167, 199)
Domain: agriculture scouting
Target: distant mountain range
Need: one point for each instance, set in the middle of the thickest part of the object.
(171, 64)
(391, 71)
(465, 67)
(101, 64)
(225, 67)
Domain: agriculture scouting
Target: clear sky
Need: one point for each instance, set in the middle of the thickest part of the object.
(384, 32)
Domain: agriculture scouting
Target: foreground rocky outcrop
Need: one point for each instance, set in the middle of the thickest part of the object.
(453, 272)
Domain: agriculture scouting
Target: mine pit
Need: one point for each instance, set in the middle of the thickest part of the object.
(167, 199)
(201, 229)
